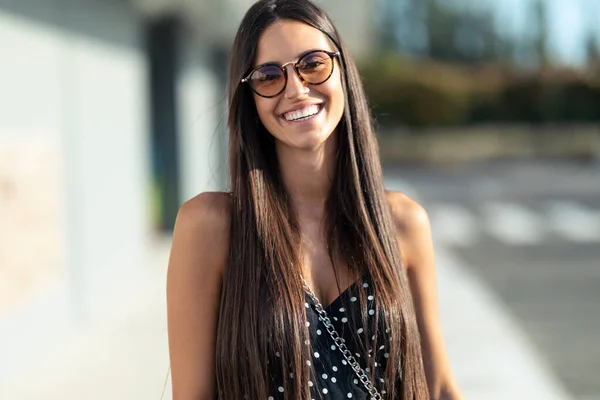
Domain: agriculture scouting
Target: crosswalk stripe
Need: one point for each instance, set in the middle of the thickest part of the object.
(512, 223)
(452, 224)
(573, 221)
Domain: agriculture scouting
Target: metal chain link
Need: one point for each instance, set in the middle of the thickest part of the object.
(341, 343)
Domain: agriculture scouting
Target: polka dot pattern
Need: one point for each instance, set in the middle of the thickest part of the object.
(331, 375)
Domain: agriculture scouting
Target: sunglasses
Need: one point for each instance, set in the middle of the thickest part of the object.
(270, 79)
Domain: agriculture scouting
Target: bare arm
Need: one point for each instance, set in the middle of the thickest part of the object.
(198, 256)
(414, 236)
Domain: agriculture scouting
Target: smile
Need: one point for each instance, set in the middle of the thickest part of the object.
(304, 114)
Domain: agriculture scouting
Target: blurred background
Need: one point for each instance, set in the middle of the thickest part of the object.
(112, 114)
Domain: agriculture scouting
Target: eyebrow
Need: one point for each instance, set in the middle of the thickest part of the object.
(299, 56)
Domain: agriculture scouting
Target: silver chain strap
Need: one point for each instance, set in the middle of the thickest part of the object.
(340, 343)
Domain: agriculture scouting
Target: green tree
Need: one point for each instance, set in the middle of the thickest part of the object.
(541, 37)
(461, 35)
(592, 47)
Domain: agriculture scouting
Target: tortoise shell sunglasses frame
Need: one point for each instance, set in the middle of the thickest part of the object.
(297, 65)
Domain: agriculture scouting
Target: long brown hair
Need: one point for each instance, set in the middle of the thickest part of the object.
(262, 303)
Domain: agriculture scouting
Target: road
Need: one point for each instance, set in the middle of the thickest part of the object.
(531, 231)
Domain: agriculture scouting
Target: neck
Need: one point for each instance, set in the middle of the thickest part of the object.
(308, 175)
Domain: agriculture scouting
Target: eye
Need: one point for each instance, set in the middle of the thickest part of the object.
(314, 61)
(267, 74)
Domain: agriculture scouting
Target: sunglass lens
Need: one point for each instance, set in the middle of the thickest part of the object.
(315, 67)
(268, 80)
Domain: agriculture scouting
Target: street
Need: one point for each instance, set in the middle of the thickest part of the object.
(531, 231)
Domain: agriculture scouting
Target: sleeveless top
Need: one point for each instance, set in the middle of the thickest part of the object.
(332, 376)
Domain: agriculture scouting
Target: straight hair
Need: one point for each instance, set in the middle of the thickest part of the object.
(262, 308)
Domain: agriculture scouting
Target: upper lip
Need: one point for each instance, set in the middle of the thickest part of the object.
(300, 107)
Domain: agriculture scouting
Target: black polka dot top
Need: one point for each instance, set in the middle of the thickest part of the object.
(332, 376)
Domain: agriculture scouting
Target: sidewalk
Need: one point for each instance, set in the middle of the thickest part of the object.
(491, 356)
(126, 357)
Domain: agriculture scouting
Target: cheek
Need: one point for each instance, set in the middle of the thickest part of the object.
(265, 109)
(336, 96)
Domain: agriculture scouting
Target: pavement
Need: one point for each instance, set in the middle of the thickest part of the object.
(125, 355)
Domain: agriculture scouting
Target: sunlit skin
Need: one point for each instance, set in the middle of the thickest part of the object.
(306, 150)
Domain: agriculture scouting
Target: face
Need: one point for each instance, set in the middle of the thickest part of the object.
(285, 115)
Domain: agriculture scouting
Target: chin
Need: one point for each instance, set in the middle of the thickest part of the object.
(310, 140)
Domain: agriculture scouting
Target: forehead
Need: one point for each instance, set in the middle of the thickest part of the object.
(285, 40)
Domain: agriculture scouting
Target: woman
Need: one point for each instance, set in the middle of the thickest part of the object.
(308, 245)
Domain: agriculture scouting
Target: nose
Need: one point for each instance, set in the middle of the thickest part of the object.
(295, 87)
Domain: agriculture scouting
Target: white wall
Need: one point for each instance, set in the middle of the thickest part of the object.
(31, 236)
(202, 121)
(106, 139)
(73, 72)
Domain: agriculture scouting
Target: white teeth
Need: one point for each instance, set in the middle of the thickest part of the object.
(299, 114)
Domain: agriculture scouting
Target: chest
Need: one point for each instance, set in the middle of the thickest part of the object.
(327, 274)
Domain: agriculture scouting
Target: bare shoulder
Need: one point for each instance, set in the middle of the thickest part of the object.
(203, 223)
(416, 248)
(408, 215)
(207, 210)
(198, 257)
(413, 229)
